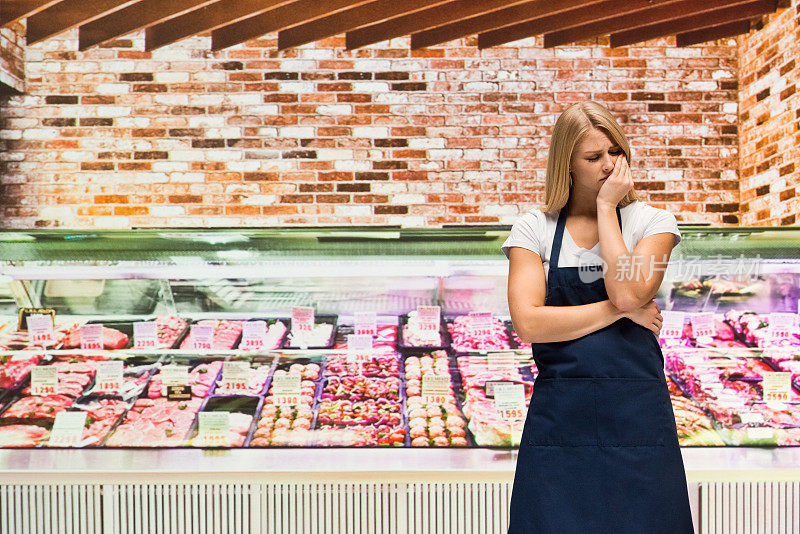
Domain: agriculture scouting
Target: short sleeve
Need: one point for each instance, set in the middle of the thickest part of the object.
(527, 233)
(660, 221)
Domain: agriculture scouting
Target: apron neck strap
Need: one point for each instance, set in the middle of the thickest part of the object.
(555, 250)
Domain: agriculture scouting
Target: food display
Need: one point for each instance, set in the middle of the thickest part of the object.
(155, 423)
(256, 382)
(168, 330)
(465, 338)
(415, 333)
(319, 337)
(13, 368)
(693, 425)
(226, 334)
(22, 435)
(112, 339)
(202, 378)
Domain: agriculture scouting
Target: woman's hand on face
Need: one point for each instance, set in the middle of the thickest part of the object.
(617, 185)
(649, 316)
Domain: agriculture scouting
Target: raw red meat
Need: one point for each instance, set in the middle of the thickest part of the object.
(112, 339)
(21, 435)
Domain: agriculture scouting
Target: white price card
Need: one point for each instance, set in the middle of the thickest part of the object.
(254, 335)
(213, 428)
(509, 401)
(359, 348)
(108, 378)
(145, 335)
(501, 361)
(235, 376)
(776, 386)
(40, 329)
(429, 318)
(481, 323)
(92, 337)
(67, 429)
(672, 326)
(782, 325)
(44, 380)
(490, 385)
(286, 390)
(365, 323)
(202, 336)
(435, 389)
(175, 375)
(703, 326)
(302, 319)
(760, 432)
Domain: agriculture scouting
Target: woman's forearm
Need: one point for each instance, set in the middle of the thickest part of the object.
(547, 324)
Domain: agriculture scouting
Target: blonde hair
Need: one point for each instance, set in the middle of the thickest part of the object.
(571, 127)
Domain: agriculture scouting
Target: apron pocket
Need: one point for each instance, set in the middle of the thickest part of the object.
(562, 412)
(633, 412)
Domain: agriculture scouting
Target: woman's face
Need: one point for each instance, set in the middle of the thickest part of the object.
(593, 160)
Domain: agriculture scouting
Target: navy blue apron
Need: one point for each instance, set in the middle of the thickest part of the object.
(599, 450)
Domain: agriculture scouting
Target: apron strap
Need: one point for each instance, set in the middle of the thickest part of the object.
(555, 250)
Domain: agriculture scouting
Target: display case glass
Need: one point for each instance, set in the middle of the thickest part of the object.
(410, 343)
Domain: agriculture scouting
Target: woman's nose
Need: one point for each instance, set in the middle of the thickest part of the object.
(608, 163)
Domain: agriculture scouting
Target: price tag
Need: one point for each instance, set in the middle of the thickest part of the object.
(145, 335)
(776, 386)
(481, 323)
(491, 384)
(703, 327)
(67, 429)
(40, 329)
(509, 401)
(109, 377)
(782, 325)
(672, 326)
(286, 390)
(24, 313)
(501, 361)
(92, 337)
(365, 323)
(202, 336)
(435, 389)
(254, 335)
(213, 428)
(359, 348)
(176, 379)
(302, 319)
(235, 376)
(760, 432)
(44, 380)
(429, 318)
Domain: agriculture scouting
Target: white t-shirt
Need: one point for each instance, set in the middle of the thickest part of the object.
(534, 231)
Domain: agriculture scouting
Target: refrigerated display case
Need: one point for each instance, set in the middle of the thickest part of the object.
(364, 416)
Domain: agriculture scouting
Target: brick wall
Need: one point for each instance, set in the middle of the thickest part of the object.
(12, 63)
(118, 137)
(769, 120)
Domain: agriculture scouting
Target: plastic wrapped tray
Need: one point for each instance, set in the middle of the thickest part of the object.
(444, 337)
(319, 319)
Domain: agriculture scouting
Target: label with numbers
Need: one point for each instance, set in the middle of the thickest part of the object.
(490, 385)
(108, 378)
(429, 318)
(703, 326)
(672, 327)
(776, 386)
(286, 390)
(92, 337)
(435, 389)
(145, 335)
(302, 319)
(235, 376)
(40, 329)
(760, 432)
(176, 379)
(365, 323)
(481, 323)
(254, 335)
(501, 361)
(24, 313)
(359, 348)
(213, 428)
(509, 401)
(202, 336)
(44, 380)
(67, 429)
(782, 325)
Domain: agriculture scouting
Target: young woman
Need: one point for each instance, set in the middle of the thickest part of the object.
(599, 451)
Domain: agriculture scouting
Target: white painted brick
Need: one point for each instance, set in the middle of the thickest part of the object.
(55, 212)
(112, 88)
(482, 175)
(480, 87)
(112, 221)
(730, 107)
(351, 165)
(406, 221)
(573, 53)
(243, 166)
(150, 178)
(388, 188)
(222, 221)
(419, 143)
(721, 74)
(167, 211)
(268, 132)
(224, 155)
(407, 199)
(187, 177)
(246, 99)
(170, 166)
(296, 131)
(113, 111)
(263, 109)
(296, 87)
(81, 66)
(117, 66)
(186, 155)
(334, 109)
(334, 154)
(208, 99)
(209, 76)
(431, 166)
(665, 175)
(171, 99)
(316, 53)
(391, 98)
(371, 65)
(370, 131)
(171, 53)
(171, 77)
(352, 211)
(260, 200)
(238, 189)
(199, 121)
(298, 65)
(51, 66)
(10, 134)
(447, 153)
(499, 209)
(371, 87)
(224, 133)
(40, 133)
(133, 122)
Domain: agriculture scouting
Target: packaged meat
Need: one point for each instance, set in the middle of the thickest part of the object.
(412, 335)
(22, 435)
(322, 336)
(465, 339)
(155, 423)
(226, 334)
(201, 380)
(13, 368)
(112, 339)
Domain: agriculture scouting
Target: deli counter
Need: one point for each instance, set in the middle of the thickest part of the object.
(304, 357)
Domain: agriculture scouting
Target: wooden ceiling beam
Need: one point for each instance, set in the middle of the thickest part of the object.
(712, 33)
(350, 20)
(132, 18)
(684, 24)
(539, 17)
(204, 19)
(278, 19)
(66, 15)
(423, 20)
(656, 14)
(13, 10)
